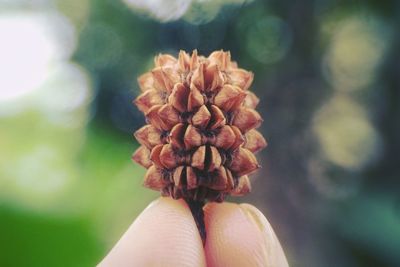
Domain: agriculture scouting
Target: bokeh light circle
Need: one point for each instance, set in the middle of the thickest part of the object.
(268, 40)
(161, 10)
(357, 48)
(345, 134)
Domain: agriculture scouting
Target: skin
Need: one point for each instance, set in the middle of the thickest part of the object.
(165, 234)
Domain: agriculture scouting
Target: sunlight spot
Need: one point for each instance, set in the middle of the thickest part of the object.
(28, 48)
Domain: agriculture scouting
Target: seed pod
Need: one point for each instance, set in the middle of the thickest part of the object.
(200, 137)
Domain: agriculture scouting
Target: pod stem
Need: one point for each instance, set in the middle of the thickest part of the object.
(196, 207)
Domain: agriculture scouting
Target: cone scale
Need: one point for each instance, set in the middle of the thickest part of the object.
(201, 135)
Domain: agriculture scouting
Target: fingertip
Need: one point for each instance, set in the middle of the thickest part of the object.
(164, 234)
(273, 248)
(240, 235)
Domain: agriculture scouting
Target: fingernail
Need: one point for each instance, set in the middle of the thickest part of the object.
(255, 216)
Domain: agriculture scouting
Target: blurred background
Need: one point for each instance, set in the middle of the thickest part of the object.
(327, 73)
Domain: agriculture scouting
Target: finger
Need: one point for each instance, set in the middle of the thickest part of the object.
(240, 235)
(164, 234)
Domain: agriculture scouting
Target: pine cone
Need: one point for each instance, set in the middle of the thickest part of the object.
(200, 137)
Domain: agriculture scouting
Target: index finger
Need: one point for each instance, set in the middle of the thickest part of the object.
(164, 234)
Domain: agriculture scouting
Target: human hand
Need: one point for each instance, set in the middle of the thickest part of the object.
(165, 234)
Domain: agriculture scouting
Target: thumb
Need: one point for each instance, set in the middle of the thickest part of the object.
(240, 235)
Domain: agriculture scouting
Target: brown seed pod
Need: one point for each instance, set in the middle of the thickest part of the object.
(200, 140)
